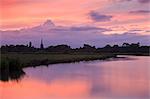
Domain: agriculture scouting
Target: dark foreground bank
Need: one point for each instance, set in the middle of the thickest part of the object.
(13, 63)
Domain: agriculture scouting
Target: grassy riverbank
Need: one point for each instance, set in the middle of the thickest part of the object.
(12, 64)
(35, 59)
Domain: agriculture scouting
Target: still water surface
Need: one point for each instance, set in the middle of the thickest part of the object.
(125, 78)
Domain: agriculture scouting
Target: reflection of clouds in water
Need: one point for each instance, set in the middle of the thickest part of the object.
(64, 71)
(35, 89)
(127, 78)
(117, 79)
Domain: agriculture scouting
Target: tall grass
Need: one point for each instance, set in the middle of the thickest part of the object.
(10, 68)
(15, 61)
(11, 64)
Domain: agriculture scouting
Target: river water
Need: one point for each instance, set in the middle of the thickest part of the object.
(122, 78)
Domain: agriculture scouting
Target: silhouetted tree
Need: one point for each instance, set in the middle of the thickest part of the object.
(59, 48)
(135, 45)
(107, 46)
(116, 46)
(30, 44)
(125, 45)
(125, 48)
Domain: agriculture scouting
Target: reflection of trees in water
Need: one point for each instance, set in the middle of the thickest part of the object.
(7, 74)
(10, 69)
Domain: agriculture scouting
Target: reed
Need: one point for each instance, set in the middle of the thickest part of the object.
(15, 61)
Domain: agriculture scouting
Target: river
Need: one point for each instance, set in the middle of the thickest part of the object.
(122, 78)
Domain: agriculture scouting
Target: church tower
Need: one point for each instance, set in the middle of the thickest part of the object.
(41, 46)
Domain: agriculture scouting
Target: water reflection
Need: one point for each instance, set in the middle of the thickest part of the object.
(93, 80)
(6, 75)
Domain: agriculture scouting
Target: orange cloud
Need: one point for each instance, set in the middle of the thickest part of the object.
(17, 14)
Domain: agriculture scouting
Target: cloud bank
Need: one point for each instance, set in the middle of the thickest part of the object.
(74, 35)
(97, 17)
(140, 12)
(140, 1)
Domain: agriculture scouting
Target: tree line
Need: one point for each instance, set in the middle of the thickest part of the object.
(63, 48)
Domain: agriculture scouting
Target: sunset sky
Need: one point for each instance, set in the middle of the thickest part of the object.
(115, 16)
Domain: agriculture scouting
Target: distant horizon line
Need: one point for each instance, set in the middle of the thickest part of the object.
(27, 44)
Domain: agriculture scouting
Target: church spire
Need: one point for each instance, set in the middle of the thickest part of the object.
(41, 46)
